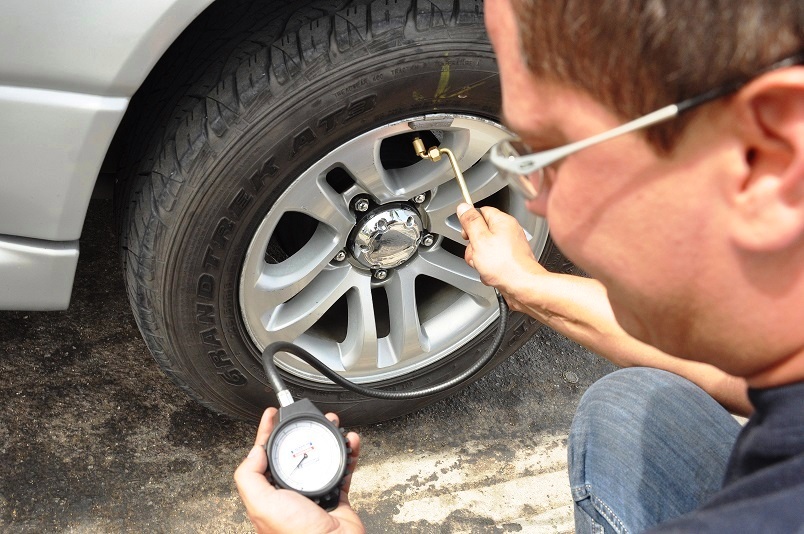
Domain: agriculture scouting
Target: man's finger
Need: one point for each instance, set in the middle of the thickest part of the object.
(250, 475)
(469, 255)
(354, 443)
(472, 221)
(334, 418)
(266, 426)
(497, 220)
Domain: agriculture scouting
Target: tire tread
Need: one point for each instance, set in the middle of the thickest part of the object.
(230, 79)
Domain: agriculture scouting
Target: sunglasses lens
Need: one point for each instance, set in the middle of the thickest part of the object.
(523, 184)
(513, 148)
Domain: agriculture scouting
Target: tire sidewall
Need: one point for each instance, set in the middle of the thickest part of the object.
(237, 177)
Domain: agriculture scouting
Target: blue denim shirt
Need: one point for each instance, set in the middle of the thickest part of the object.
(763, 489)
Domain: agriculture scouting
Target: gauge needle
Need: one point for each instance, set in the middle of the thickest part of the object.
(300, 462)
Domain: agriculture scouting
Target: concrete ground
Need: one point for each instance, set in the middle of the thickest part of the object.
(93, 438)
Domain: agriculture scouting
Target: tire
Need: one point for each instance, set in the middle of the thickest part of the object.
(233, 230)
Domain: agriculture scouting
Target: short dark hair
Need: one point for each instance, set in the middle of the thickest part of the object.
(635, 56)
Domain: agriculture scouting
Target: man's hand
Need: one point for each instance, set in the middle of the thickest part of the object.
(498, 250)
(278, 510)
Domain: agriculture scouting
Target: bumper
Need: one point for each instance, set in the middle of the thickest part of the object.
(53, 144)
(36, 275)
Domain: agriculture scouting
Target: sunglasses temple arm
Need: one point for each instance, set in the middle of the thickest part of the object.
(543, 159)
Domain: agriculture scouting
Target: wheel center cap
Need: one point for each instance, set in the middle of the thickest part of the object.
(387, 237)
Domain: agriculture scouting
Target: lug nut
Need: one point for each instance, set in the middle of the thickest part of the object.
(418, 199)
(340, 256)
(428, 240)
(380, 274)
(361, 204)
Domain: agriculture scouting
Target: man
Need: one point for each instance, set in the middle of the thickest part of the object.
(693, 231)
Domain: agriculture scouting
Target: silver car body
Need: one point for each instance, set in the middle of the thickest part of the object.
(67, 72)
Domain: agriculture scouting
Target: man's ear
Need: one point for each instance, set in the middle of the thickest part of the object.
(769, 203)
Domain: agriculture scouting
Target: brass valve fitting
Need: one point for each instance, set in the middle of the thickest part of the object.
(434, 154)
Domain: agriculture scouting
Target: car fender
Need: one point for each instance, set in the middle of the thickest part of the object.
(67, 74)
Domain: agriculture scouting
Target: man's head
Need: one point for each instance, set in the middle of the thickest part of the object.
(697, 226)
(635, 56)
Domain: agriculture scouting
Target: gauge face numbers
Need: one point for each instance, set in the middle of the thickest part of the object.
(307, 456)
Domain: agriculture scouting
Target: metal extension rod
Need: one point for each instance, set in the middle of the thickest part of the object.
(434, 154)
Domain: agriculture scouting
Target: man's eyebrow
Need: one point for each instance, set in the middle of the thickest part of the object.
(541, 136)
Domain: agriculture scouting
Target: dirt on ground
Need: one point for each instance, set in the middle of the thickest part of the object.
(94, 438)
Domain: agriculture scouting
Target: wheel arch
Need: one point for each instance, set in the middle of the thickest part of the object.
(183, 27)
(61, 113)
(159, 93)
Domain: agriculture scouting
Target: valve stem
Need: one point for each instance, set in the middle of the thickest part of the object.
(434, 154)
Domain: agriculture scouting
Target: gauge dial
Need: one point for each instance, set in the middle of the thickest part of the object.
(307, 456)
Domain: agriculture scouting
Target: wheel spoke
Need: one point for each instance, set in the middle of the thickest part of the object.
(278, 283)
(291, 319)
(421, 177)
(440, 264)
(359, 349)
(362, 162)
(323, 204)
(407, 338)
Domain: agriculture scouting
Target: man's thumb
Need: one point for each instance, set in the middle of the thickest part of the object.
(256, 461)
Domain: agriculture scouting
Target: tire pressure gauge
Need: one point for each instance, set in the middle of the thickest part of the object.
(307, 453)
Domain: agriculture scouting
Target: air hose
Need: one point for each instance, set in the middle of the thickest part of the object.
(283, 346)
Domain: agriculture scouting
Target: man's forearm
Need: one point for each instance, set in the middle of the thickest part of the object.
(579, 309)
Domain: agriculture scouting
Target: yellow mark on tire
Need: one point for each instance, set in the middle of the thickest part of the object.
(443, 82)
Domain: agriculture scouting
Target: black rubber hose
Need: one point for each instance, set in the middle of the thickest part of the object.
(270, 369)
(283, 346)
